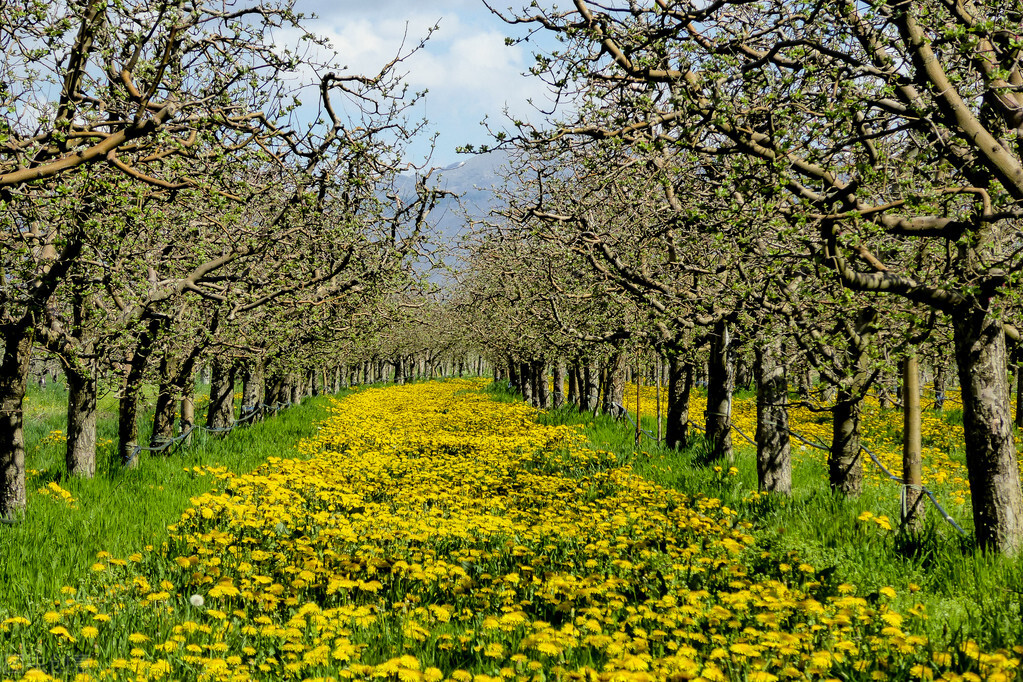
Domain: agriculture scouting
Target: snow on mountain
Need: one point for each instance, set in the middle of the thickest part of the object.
(472, 180)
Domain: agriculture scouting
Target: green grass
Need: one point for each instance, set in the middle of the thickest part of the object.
(967, 594)
(120, 511)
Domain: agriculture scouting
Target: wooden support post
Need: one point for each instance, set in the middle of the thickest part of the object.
(912, 477)
(639, 382)
(658, 367)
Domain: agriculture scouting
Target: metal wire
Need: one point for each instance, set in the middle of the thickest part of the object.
(253, 411)
(622, 410)
(902, 493)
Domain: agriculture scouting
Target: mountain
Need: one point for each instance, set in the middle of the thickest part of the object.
(472, 180)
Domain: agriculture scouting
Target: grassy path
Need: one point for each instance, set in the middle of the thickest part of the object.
(426, 533)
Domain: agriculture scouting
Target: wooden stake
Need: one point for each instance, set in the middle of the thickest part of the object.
(659, 368)
(912, 477)
(639, 380)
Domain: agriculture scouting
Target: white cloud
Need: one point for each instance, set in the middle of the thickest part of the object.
(466, 66)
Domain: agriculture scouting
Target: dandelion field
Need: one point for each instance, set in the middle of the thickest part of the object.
(428, 532)
(120, 511)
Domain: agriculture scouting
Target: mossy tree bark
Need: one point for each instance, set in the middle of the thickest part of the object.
(774, 460)
(720, 383)
(987, 424)
(513, 374)
(573, 383)
(82, 392)
(558, 380)
(591, 387)
(526, 381)
(220, 414)
(13, 380)
(845, 462)
(252, 385)
(541, 393)
(166, 400)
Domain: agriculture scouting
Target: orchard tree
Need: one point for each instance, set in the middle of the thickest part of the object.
(891, 132)
(159, 95)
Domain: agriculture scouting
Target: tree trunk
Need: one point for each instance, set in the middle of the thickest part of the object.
(514, 380)
(128, 408)
(591, 391)
(252, 382)
(584, 382)
(614, 388)
(720, 382)
(939, 386)
(680, 384)
(743, 377)
(81, 376)
(845, 463)
(659, 378)
(558, 379)
(987, 425)
(273, 391)
(883, 392)
(541, 392)
(166, 398)
(774, 462)
(602, 391)
(399, 371)
(526, 381)
(221, 411)
(80, 456)
(296, 387)
(13, 381)
(803, 383)
(573, 383)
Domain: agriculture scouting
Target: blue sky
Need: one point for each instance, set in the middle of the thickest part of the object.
(467, 68)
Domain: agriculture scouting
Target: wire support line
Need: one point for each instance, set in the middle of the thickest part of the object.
(164, 444)
(902, 493)
(621, 410)
(739, 431)
(811, 443)
(903, 486)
